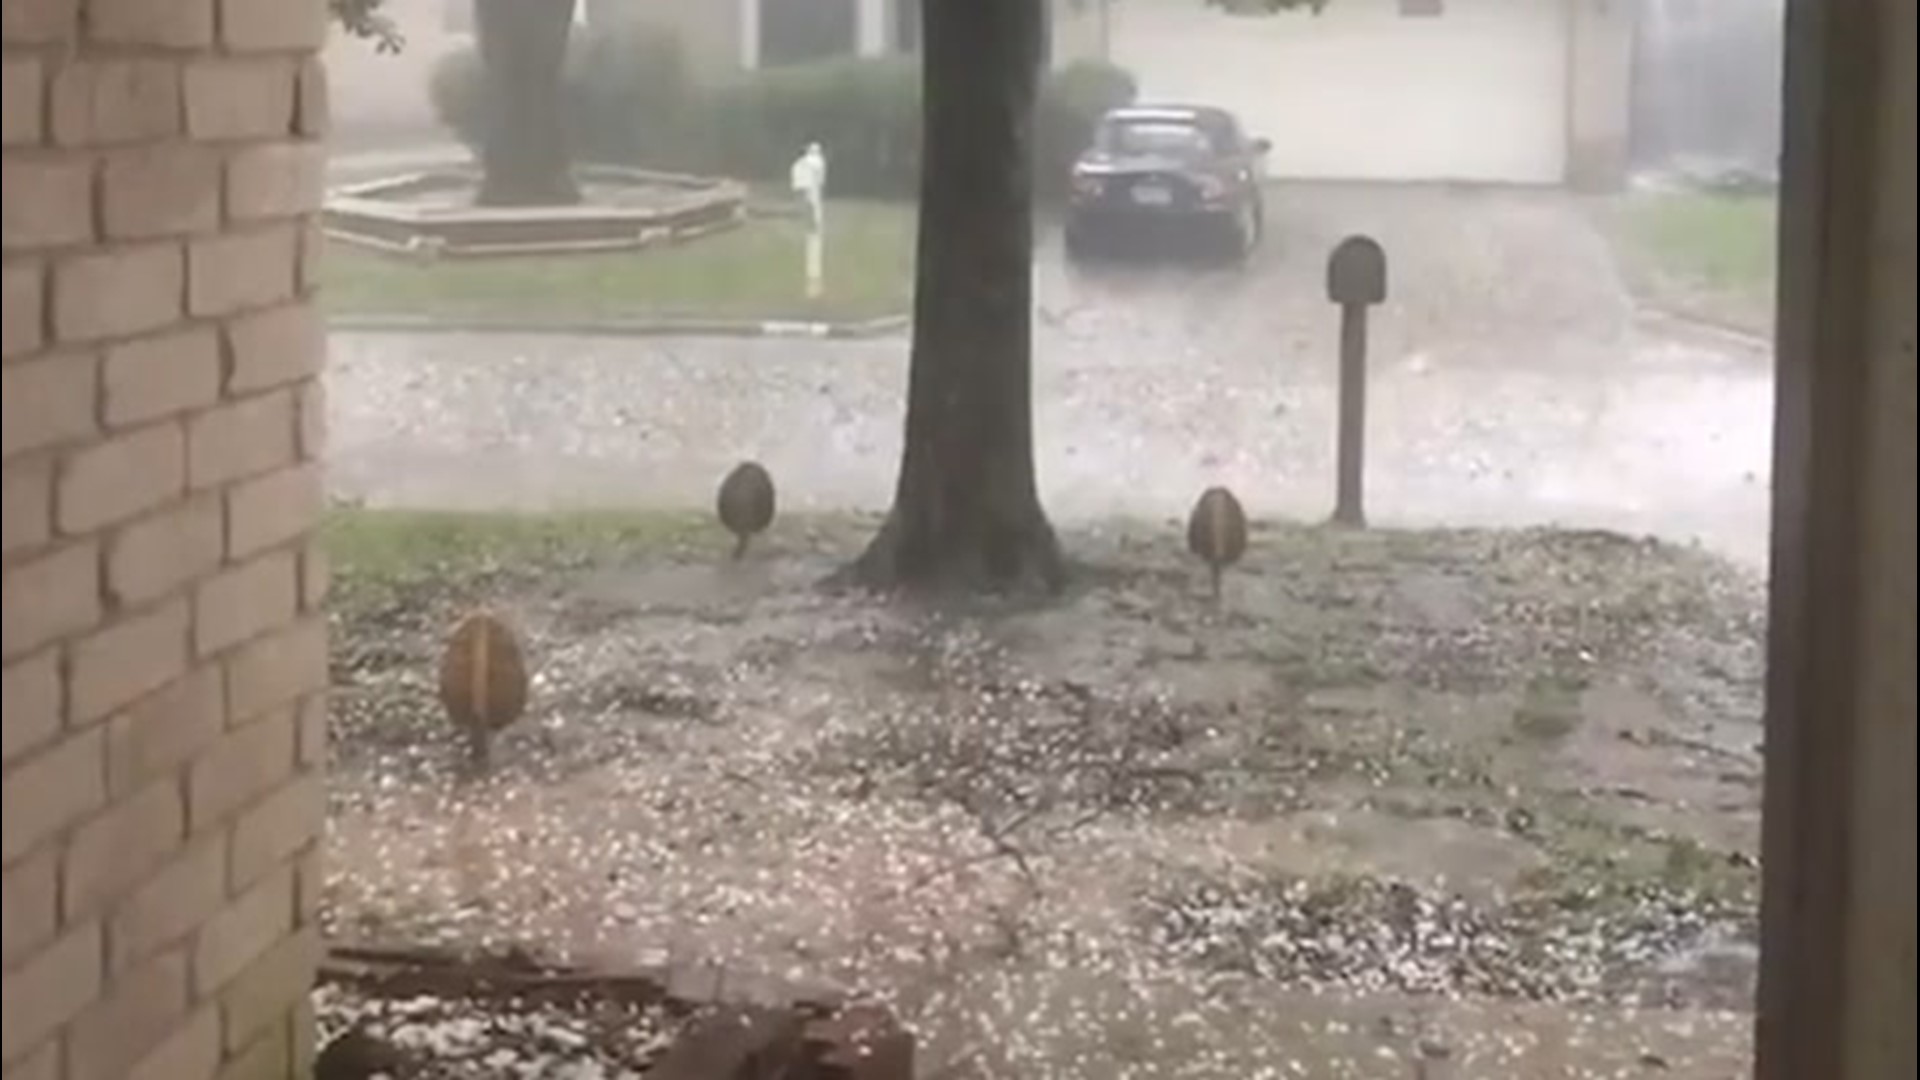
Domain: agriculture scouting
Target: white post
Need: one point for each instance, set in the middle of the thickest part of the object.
(816, 264)
(749, 34)
(808, 178)
(870, 34)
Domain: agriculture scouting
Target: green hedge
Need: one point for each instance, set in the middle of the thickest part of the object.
(631, 101)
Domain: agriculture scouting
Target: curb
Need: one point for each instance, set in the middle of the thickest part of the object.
(664, 327)
(1701, 322)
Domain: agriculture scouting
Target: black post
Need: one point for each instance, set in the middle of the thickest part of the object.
(1356, 280)
(1349, 504)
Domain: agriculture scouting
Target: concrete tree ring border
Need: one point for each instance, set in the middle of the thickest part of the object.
(371, 214)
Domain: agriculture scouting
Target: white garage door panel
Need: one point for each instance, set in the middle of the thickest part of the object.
(1363, 93)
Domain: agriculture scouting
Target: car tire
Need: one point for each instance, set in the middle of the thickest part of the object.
(1242, 235)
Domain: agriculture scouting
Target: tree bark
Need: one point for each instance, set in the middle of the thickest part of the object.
(524, 158)
(966, 513)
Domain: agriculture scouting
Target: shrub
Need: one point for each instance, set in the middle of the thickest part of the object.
(626, 93)
(629, 97)
(1071, 103)
(866, 113)
(630, 101)
(453, 87)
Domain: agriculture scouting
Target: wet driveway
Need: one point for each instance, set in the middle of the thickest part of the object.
(1512, 383)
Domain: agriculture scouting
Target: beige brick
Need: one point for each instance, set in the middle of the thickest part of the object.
(277, 670)
(182, 896)
(151, 377)
(315, 116)
(135, 1015)
(315, 576)
(23, 319)
(174, 23)
(31, 692)
(243, 438)
(270, 988)
(272, 509)
(309, 884)
(50, 597)
(157, 554)
(276, 346)
(268, 1057)
(312, 736)
(45, 201)
(313, 253)
(48, 990)
(245, 602)
(242, 270)
(246, 98)
(276, 180)
(272, 25)
(125, 662)
(138, 1015)
(30, 911)
(117, 850)
(119, 292)
(26, 521)
(244, 765)
(243, 931)
(45, 793)
(122, 477)
(138, 1011)
(270, 833)
(48, 401)
(38, 22)
(313, 420)
(43, 1063)
(164, 730)
(101, 102)
(191, 1052)
(159, 190)
(306, 1036)
(23, 100)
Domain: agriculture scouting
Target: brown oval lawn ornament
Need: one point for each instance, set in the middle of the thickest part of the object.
(483, 682)
(1217, 532)
(746, 503)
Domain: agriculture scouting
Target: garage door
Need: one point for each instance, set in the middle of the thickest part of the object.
(1410, 90)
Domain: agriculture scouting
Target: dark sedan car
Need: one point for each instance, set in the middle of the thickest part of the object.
(1188, 170)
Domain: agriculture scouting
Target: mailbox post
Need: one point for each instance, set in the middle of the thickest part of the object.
(808, 178)
(1356, 280)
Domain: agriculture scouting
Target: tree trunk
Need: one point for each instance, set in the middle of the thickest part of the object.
(523, 153)
(966, 512)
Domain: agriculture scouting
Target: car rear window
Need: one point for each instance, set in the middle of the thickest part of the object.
(1171, 137)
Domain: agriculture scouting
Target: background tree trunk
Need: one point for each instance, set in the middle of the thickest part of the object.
(523, 154)
(966, 512)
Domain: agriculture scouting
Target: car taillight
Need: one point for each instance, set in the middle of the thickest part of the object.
(1211, 187)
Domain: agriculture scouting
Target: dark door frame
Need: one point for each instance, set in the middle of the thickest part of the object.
(1837, 951)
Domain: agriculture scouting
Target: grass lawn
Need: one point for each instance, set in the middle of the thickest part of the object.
(1015, 817)
(1704, 254)
(378, 554)
(754, 271)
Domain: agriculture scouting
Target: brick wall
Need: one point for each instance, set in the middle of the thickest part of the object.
(163, 643)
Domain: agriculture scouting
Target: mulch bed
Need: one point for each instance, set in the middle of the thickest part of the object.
(409, 1013)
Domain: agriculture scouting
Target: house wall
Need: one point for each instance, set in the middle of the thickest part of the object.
(1599, 92)
(164, 647)
(1367, 91)
(718, 35)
